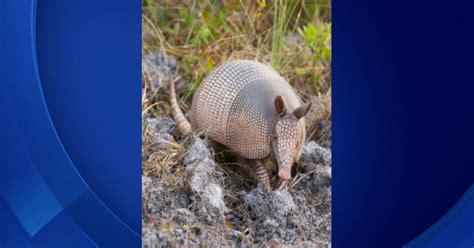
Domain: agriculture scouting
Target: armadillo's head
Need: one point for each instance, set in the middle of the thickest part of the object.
(287, 136)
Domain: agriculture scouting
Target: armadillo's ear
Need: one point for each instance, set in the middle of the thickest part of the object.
(280, 106)
(302, 110)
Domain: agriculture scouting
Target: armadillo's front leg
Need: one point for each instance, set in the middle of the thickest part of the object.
(262, 175)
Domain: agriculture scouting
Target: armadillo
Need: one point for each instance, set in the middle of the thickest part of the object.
(248, 107)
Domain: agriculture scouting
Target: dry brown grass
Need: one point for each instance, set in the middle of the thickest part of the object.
(205, 34)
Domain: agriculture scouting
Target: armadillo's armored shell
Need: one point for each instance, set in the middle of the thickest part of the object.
(234, 106)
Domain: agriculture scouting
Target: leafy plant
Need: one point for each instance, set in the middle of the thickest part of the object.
(204, 34)
(319, 39)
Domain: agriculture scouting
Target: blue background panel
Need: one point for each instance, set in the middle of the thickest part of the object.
(12, 233)
(70, 173)
(70, 92)
(89, 56)
(455, 228)
(403, 118)
(62, 231)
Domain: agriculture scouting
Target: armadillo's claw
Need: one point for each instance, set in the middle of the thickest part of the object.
(266, 187)
(283, 185)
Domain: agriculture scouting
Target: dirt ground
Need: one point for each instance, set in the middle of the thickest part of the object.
(196, 193)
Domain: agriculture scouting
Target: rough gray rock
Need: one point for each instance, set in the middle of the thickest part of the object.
(325, 135)
(153, 196)
(160, 129)
(277, 204)
(161, 125)
(159, 68)
(281, 204)
(153, 238)
(317, 159)
(195, 213)
(202, 206)
(300, 217)
(184, 216)
(196, 152)
(273, 213)
(256, 200)
(313, 218)
(200, 167)
(322, 178)
(153, 202)
(314, 154)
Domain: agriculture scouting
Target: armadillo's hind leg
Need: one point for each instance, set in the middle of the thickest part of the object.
(262, 175)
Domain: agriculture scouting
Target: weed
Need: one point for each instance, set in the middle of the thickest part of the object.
(292, 36)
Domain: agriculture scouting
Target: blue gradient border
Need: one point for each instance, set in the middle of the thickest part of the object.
(70, 173)
(403, 120)
(70, 86)
(457, 225)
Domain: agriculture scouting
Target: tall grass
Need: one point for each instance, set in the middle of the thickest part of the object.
(292, 36)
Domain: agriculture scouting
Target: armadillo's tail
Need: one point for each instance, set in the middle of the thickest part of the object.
(183, 125)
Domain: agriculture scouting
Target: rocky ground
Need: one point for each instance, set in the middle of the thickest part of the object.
(195, 194)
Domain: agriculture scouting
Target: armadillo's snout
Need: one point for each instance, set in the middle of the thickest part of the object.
(284, 172)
